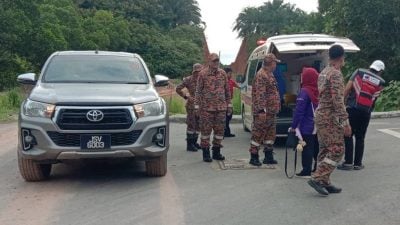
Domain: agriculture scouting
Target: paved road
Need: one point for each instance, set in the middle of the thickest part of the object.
(194, 192)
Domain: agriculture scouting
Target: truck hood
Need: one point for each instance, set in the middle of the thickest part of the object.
(93, 94)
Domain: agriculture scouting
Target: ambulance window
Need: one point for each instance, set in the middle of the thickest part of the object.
(252, 71)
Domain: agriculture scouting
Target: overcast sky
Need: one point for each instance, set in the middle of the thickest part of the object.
(220, 16)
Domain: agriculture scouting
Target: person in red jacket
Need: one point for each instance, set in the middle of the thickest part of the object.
(232, 85)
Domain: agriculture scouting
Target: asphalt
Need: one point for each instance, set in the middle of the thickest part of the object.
(180, 118)
(194, 192)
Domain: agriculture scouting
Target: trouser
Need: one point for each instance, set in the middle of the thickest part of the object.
(227, 121)
(310, 152)
(212, 121)
(192, 122)
(331, 148)
(263, 132)
(359, 122)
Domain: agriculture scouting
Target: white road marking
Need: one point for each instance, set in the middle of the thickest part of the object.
(390, 132)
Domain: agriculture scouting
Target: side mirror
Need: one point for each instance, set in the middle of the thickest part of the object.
(161, 80)
(27, 78)
(239, 78)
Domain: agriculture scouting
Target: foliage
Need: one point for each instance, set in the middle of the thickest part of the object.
(270, 19)
(389, 99)
(9, 103)
(175, 104)
(373, 25)
(236, 102)
(166, 34)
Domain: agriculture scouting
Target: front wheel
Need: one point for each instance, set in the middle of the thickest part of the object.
(33, 171)
(157, 167)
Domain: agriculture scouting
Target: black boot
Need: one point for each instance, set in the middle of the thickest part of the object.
(190, 143)
(216, 154)
(269, 157)
(254, 159)
(333, 189)
(196, 136)
(206, 155)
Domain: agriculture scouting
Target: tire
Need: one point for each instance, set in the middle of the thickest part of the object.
(157, 167)
(243, 123)
(33, 171)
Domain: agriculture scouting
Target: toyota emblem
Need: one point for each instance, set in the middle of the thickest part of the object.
(95, 115)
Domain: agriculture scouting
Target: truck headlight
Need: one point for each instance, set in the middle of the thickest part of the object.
(155, 108)
(38, 109)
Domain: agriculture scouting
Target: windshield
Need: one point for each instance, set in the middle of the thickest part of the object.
(95, 69)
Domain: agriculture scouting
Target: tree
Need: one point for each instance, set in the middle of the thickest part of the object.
(270, 19)
(373, 25)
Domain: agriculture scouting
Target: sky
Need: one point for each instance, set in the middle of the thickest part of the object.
(220, 16)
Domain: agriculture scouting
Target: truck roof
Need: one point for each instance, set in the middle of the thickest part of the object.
(96, 52)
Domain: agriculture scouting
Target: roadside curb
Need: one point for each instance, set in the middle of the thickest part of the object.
(391, 114)
(181, 118)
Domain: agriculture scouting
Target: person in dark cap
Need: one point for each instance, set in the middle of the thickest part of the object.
(212, 103)
(232, 85)
(192, 120)
(331, 121)
(360, 93)
(265, 107)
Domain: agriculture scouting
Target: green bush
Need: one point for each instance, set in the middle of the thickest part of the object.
(390, 98)
(236, 102)
(175, 104)
(9, 104)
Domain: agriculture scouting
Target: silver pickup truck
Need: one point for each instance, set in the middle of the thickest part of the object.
(92, 104)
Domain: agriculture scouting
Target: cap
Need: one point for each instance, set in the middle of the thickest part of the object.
(197, 67)
(213, 56)
(377, 65)
(270, 58)
(336, 51)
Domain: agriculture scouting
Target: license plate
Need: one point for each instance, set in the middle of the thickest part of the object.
(95, 141)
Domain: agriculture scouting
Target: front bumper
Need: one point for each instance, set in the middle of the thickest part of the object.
(45, 149)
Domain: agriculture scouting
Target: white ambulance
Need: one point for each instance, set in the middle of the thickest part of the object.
(295, 51)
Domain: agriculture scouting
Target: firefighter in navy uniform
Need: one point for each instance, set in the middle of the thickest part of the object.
(192, 120)
(265, 107)
(212, 103)
(360, 93)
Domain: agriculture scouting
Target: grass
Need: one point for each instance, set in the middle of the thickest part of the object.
(10, 102)
(176, 104)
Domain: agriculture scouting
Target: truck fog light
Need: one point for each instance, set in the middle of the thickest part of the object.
(159, 137)
(28, 140)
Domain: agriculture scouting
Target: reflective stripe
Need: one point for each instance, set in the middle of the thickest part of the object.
(269, 142)
(205, 137)
(197, 132)
(329, 161)
(219, 137)
(254, 143)
(190, 132)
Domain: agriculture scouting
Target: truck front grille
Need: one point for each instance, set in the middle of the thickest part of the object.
(76, 119)
(73, 140)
